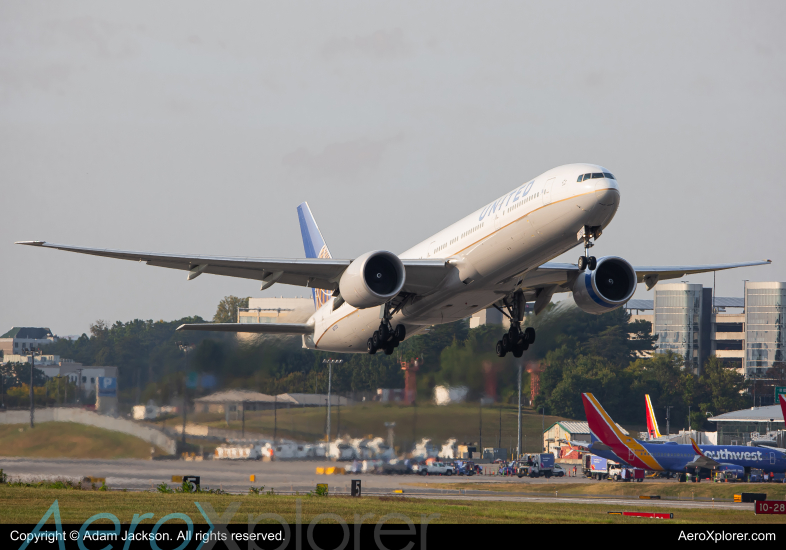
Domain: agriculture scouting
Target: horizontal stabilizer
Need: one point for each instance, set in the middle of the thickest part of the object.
(258, 328)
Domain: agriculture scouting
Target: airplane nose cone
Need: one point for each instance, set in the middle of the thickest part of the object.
(607, 192)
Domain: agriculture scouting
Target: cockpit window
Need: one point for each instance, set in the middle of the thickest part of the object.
(596, 175)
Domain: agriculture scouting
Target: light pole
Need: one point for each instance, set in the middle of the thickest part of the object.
(78, 398)
(668, 417)
(518, 442)
(480, 427)
(185, 347)
(32, 353)
(330, 363)
(499, 440)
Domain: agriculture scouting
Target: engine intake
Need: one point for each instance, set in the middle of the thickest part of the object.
(607, 287)
(372, 279)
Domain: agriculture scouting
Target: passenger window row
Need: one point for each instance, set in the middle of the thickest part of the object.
(466, 233)
(595, 175)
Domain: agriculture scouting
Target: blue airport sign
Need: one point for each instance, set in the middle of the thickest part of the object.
(107, 387)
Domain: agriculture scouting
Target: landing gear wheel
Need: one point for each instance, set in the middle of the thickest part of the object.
(375, 339)
(389, 349)
(384, 332)
(400, 333)
(506, 342)
(518, 350)
(592, 263)
(372, 349)
(501, 351)
(582, 263)
(529, 336)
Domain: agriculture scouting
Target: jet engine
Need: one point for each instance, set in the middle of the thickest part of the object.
(372, 279)
(607, 287)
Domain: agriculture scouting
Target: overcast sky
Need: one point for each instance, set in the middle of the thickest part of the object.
(198, 127)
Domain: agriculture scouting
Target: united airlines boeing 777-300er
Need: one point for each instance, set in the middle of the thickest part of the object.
(498, 256)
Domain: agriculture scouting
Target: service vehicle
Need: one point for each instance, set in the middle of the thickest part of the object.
(434, 469)
(599, 467)
(535, 465)
(618, 473)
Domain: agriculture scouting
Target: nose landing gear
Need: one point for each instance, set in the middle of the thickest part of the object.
(386, 338)
(516, 341)
(586, 234)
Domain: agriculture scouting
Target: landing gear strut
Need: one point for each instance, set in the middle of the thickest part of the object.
(386, 338)
(586, 234)
(515, 340)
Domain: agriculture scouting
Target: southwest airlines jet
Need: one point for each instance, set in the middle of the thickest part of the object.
(674, 457)
(497, 256)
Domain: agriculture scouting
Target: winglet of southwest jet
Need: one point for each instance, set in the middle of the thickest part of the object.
(652, 423)
(696, 447)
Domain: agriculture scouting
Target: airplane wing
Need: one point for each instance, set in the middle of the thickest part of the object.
(551, 272)
(542, 283)
(702, 460)
(422, 275)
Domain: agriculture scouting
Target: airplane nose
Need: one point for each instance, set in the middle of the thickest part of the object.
(607, 192)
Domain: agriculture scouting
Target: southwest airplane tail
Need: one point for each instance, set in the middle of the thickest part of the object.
(624, 446)
(652, 423)
(315, 247)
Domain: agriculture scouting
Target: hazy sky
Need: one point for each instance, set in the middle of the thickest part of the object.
(198, 127)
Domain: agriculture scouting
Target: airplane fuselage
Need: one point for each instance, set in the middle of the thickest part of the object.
(491, 249)
(671, 457)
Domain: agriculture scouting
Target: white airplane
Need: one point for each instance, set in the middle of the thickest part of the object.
(497, 256)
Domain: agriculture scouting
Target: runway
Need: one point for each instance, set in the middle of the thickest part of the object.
(233, 477)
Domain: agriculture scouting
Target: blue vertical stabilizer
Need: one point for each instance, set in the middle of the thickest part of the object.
(315, 247)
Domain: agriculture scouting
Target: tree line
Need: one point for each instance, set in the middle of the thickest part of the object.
(574, 352)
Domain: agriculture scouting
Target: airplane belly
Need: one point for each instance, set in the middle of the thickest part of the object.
(346, 329)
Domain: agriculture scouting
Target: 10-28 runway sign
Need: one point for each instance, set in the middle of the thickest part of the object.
(771, 507)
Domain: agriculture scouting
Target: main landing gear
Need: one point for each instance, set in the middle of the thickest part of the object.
(588, 233)
(516, 341)
(386, 338)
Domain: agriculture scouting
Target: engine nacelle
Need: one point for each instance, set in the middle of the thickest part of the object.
(372, 279)
(607, 287)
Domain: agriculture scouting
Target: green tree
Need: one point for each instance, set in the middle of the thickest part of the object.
(724, 388)
(226, 312)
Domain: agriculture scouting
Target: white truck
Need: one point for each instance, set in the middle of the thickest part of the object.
(618, 473)
(434, 469)
(536, 465)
